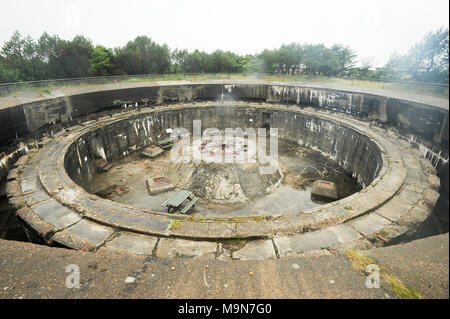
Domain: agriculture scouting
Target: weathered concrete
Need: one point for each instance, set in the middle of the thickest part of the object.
(133, 243)
(394, 193)
(426, 121)
(422, 264)
(26, 274)
(398, 171)
(261, 249)
(400, 188)
(185, 248)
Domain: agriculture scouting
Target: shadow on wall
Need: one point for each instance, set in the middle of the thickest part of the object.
(438, 222)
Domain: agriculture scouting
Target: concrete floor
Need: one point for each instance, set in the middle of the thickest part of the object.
(126, 184)
(34, 271)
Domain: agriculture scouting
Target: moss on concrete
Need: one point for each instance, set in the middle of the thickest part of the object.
(360, 264)
(175, 224)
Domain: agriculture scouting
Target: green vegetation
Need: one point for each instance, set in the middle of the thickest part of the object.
(101, 61)
(347, 207)
(360, 264)
(24, 59)
(46, 91)
(384, 233)
(175, 224)
(426, 61)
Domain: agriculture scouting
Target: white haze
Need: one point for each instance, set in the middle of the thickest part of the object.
(372, 28)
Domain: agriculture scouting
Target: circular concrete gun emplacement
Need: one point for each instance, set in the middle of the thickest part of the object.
(380, 186)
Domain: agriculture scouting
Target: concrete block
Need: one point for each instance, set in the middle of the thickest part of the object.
(158, 185)
(324, 189)
(152, 151)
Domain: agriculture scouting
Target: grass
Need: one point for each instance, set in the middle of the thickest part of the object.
(384, 233)
(175, 224)
(360, 264)
(46, 91)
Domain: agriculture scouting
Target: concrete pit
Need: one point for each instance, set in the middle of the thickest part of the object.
(385, 186)
(226, 190)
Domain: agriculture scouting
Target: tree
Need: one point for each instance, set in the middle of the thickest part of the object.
(314, 58)
(426, 61)
(346, 58)
(289, 58)
(364, 70)
(143, 56)
(269, 61)
(7, 76)
(223, 62)
(195, 62)
(177, 59)
(20, 57)
(101, 61)
(251, 64)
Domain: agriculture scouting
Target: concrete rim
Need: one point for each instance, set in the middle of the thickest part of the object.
(386, 184)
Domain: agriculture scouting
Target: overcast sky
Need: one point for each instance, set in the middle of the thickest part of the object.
(372, 28)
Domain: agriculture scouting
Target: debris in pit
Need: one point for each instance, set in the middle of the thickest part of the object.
(112, 190)
(152, 151)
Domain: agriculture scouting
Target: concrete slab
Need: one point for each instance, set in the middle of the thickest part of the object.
(158, 185)
(36, 197)
(370, 223)
(133, 243)
(258, 249)
(169, 248)
(85, 231)
(304, 242)
(152, 151)
(26, 274)
(324, 189)
(345, 233)
(28, 185)
(394, 209)
(56, 214)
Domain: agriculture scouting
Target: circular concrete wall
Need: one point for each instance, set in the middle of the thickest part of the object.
(400, 184)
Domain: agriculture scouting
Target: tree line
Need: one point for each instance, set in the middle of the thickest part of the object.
(49, 57)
